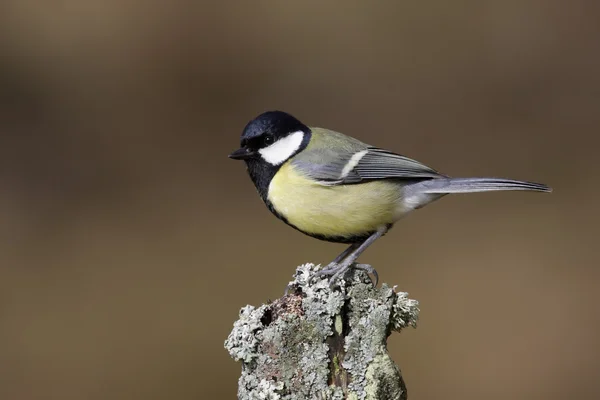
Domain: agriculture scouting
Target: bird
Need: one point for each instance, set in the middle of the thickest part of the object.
(336, 188)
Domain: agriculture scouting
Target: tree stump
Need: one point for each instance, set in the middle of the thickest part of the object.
(318, 342)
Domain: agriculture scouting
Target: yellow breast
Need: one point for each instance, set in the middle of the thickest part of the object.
(344, 210)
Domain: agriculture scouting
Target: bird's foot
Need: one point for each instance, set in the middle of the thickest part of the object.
(329, 270)
(336, 271)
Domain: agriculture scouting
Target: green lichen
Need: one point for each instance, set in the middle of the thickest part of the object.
(339, 324)
(373, 314)
(336, 365)
(284, 347)
(384, 380)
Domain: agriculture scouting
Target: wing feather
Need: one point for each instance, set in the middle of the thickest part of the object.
(383, 164)
(329, 156)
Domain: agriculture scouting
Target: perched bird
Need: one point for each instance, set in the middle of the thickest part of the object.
(336, 188)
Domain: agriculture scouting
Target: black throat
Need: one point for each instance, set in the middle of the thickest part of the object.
(262, 173)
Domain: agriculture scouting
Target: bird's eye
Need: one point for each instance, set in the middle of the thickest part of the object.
(268, 139)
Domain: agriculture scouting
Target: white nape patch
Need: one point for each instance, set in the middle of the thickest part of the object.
(353, 162)
(282, 149)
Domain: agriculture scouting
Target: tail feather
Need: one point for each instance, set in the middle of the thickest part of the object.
(471, 185)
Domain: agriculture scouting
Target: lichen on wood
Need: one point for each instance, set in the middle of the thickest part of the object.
(318, 342)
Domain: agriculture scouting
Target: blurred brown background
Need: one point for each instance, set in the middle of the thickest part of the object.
(129, 240)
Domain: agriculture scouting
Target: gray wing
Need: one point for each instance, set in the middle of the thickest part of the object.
(359, 164)
(381, 164)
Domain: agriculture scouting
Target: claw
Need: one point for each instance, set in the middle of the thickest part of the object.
(287, 289)
(369, 270)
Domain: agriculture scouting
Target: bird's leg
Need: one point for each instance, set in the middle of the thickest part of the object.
(332, 265)
(331, 268)
(346, 262)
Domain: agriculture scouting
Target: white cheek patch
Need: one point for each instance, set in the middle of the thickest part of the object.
(282, 149)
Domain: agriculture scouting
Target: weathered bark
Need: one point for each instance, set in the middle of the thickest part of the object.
(319, 343)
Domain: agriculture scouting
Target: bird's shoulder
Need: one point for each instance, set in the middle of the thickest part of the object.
(327, 140)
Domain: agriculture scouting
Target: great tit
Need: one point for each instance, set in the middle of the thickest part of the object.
(336, 188)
